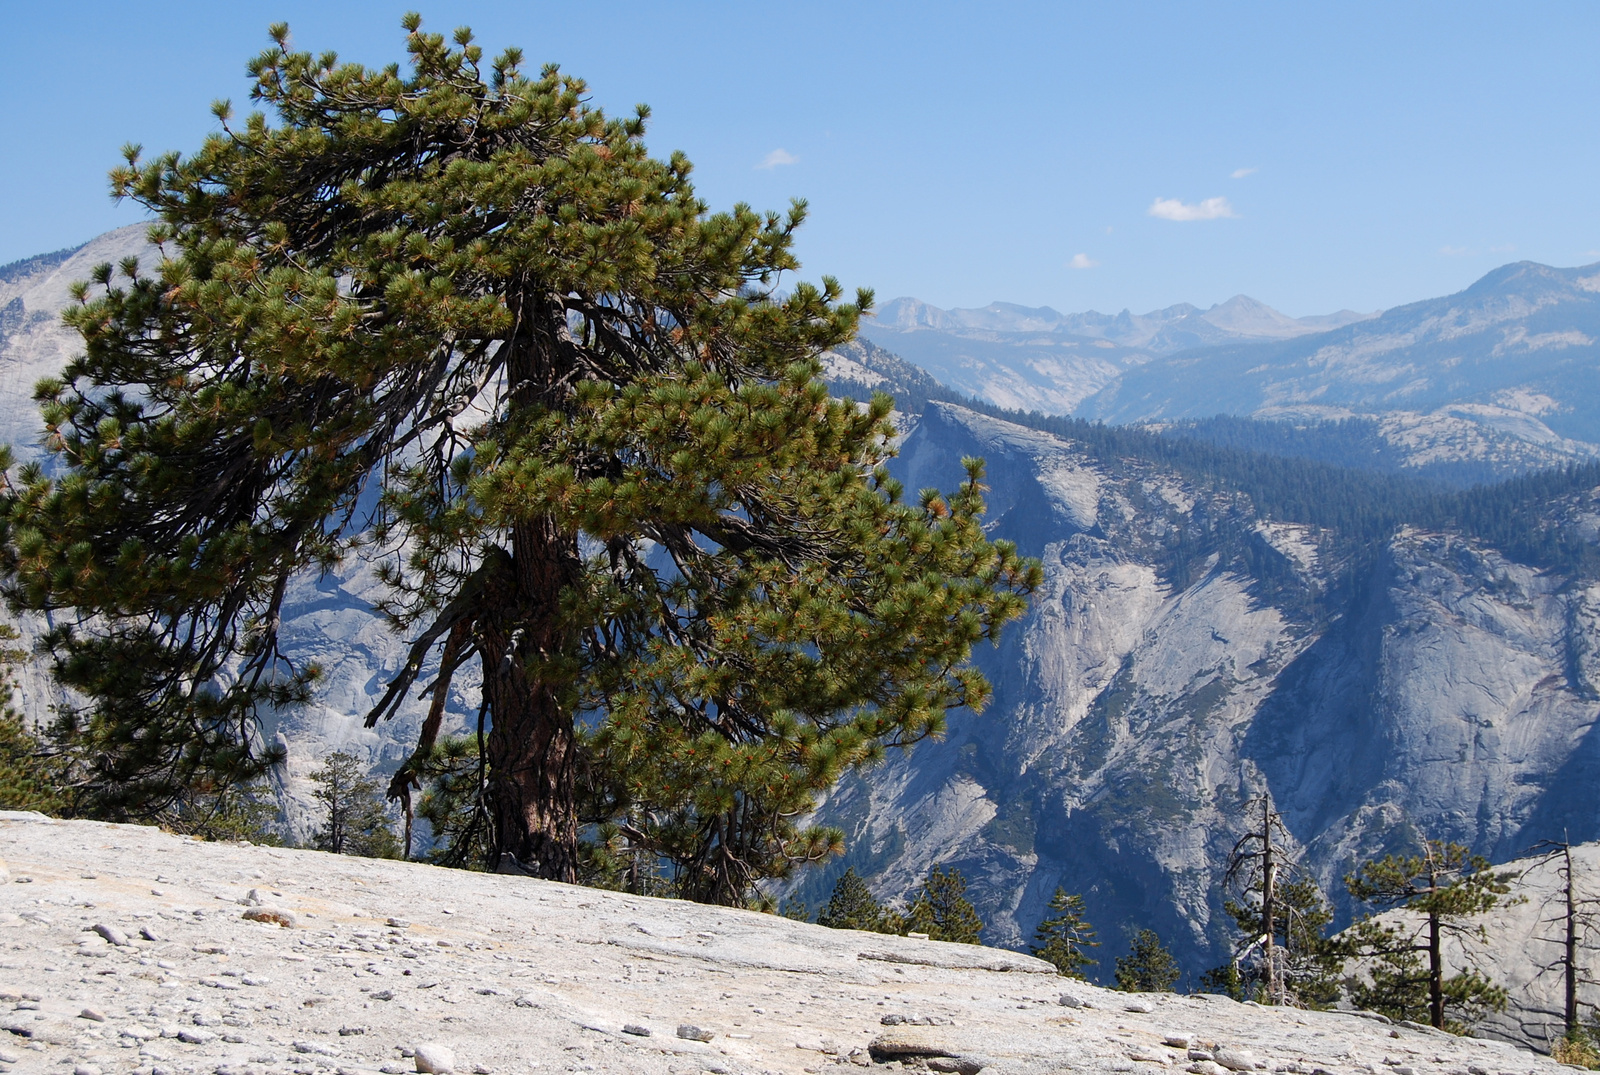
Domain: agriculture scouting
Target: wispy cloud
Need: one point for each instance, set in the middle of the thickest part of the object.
(1082, 261)
(1455, 251)
(1240, 173)
(1503, 248)
(1173, 209)
(777, 158)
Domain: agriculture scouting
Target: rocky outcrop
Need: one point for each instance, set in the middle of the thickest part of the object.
(1441, 688)
(398, 967)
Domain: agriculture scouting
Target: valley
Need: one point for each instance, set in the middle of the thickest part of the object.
(1295, 601)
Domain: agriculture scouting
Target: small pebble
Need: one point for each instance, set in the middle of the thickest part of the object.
(92, 1015)
(690, 1032)
(85, 1069)
(636, 1030)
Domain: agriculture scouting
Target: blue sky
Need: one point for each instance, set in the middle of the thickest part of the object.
(1313, 156)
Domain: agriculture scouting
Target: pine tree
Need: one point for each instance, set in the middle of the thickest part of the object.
(852, 905)
(1148, 968)
(1225, 980)
(941, 910)
(605, 469)
(225, 811)
(353, 821)
(1446, 887)
(1065, 938)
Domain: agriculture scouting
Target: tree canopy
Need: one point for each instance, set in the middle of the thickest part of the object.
(1065, 937)
(1148, 967)
(460, 321)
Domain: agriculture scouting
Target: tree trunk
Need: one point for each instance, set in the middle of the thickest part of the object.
(531, 746)
(531, 742)
(1435, 973)
(1269, 878)
(1571, 976)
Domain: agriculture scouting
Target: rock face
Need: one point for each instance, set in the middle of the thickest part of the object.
(496, 974)
(1444, 687)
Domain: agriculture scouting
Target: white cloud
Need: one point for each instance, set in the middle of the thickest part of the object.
(1173, 209)
(1082, 261)
(778, 157)
(1240, 173)
(1454, 251)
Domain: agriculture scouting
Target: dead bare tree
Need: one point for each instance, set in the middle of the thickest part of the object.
(1577, 916)
(1260, 850)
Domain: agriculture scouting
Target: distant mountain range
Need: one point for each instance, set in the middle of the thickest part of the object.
(1518, 346)
(1036, 358)
(1176, 328)
(1505, 374)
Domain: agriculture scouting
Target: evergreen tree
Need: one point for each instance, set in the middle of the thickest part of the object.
(940, 909)
(1445, 887)
(224, 811)
(798, 910)
(451, 773)
(852, 905)
(1064, 938)
(1225, 980)
(1149, 967)
(605, 471)
(354, 821)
